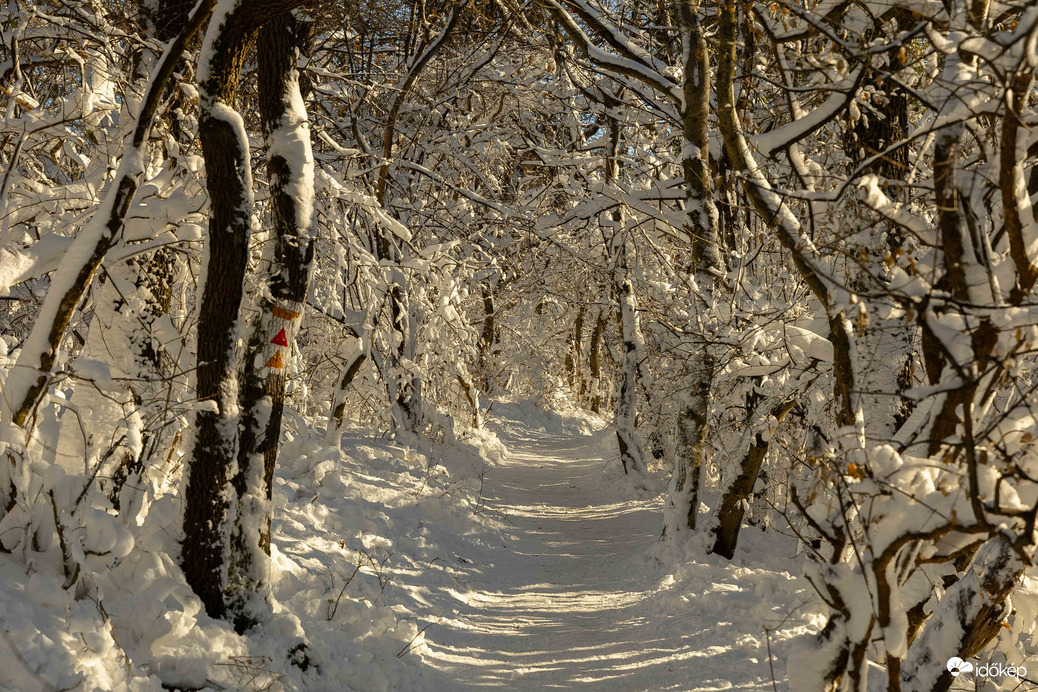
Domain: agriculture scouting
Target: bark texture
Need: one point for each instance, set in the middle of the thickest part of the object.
(266, 363)
(225, 147)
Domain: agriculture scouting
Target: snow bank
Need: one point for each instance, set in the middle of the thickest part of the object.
(350, 520)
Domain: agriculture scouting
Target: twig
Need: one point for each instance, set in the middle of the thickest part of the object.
(97, 469)
(771, 664)
(69, 563)
(253, 671)
(407, 649)
(335, 606)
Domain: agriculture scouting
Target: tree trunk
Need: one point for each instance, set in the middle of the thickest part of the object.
(472, 397)
(349, 373)
(700, 225)
(701, 218)
(734, 498)
(486, 337)
(573, 352)
(291, 172)
(631, 454)
(886, 351)
(595, 361)
(614, 234)
(403, 386)
(225, 147)
(683, 505)
(967, 618)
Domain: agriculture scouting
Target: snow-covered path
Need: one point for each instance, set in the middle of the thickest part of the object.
(569, 600)
(562, 604)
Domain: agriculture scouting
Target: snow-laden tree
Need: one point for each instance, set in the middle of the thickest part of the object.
(107, 116)
(787, 250)
(862, 140)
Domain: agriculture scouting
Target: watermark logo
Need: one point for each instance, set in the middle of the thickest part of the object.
(956, 666)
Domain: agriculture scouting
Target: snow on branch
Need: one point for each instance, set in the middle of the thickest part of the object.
(844, 93)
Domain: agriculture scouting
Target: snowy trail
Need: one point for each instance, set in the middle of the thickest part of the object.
(570, 600)
(561, 606)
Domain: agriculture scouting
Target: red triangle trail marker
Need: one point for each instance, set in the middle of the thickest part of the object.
(275, 362)
(280, 339)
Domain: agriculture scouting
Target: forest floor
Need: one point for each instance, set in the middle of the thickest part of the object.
(517, 558)
(579, 593)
